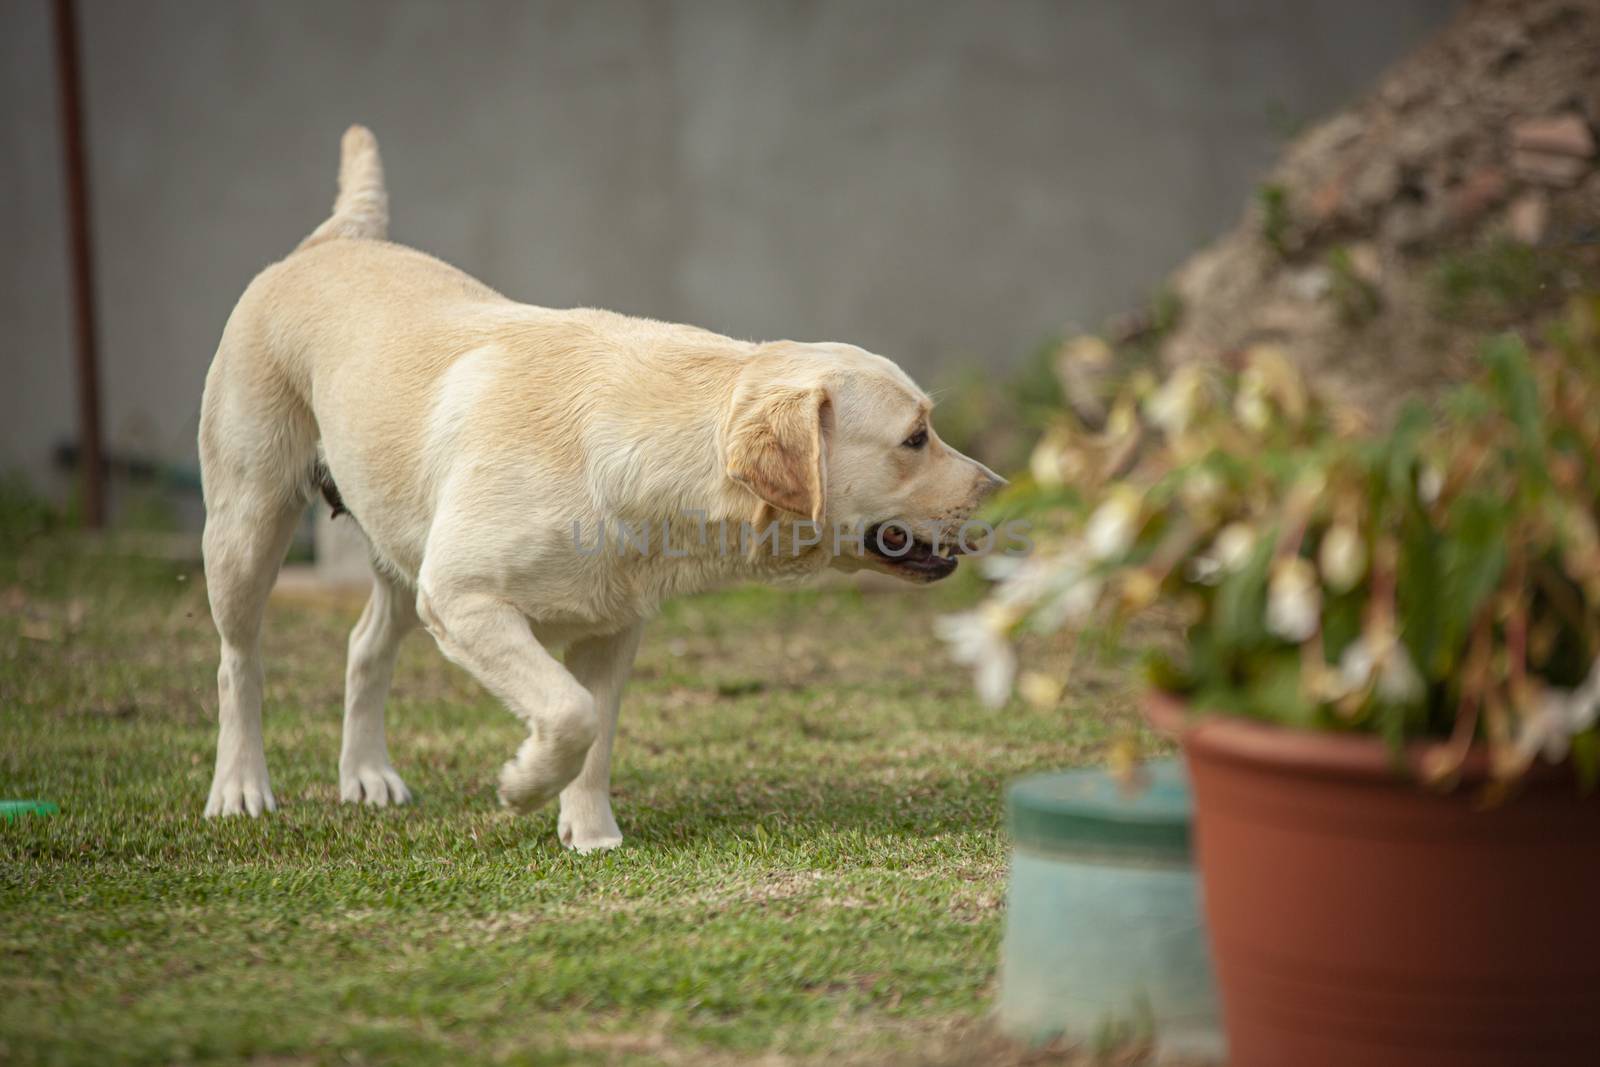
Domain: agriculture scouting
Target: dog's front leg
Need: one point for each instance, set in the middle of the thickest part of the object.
(601, 664)
(365, 773)
(492, 640)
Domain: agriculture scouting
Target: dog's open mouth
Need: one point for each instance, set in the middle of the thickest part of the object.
(892, 546)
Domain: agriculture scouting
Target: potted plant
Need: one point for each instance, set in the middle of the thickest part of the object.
(1386, 689)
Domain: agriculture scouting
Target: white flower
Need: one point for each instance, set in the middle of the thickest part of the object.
(1201, 488)
(1399, 681)
(1025, 580)
(978, 640)
(1001, 567)
(1561, 714)
(1073, 604)
(993, 674)
(1059, 589)
(1229, 553)
(1430, 483)
(1545, 729)
(1172, 407)
(1206, 570)
(1250, 405)
(1233, 546)
(1584, 705)
(1045, 463)
(1114, 525)
(1251, 409)
(1355, 665)
(1270, 375)
(1294, 600)
(1342, 557)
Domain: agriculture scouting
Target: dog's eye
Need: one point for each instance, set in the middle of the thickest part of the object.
(916, 440)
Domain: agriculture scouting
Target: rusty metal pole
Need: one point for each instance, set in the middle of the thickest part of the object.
(79, 250)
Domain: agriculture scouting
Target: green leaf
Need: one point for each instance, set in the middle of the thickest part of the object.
(1241, 603)
(1274, 692)
(1512, 377)
(1165, 672)
(1427, 624)
(1474, 558)
(1392, 721)
(1341, 621)
(1403, 447)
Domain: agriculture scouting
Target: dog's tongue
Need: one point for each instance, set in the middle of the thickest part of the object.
(896, 540)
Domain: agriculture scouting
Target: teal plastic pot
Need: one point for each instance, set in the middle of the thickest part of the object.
(1103, 941)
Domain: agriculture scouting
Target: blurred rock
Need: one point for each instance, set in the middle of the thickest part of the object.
(1312, 283)
(1563, 135)
(1548, 168)
(1482, 189)
(1366, 262)
(1528, 216)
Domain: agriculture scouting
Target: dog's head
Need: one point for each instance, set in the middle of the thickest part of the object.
(844, 438)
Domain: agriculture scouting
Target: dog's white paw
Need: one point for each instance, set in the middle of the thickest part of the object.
(241, 789)
(538, 774)
(589, 835)
(525, 788)
(372, 782)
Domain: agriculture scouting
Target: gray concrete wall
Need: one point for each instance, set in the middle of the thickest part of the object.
(943, 183)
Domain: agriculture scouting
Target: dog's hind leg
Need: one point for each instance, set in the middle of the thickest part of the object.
(257, 448)
(601, 665)
(365, 773)
(244, 546)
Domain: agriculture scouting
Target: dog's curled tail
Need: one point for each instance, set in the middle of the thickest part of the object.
(362, 208)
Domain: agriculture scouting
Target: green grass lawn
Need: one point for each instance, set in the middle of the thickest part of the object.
(813, 869)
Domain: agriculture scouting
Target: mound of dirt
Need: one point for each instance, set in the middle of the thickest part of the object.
(1460, 197)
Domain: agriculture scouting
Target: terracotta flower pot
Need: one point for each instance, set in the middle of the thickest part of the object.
(1359, 920)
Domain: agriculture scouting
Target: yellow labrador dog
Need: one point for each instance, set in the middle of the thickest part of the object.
(488, 450)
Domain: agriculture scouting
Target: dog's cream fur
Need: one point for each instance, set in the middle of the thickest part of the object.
(467, 434)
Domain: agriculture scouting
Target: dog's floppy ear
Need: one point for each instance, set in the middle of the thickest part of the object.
(777, 444)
